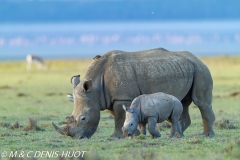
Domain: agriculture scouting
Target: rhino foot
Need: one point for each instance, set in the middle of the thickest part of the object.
(137, 133)
(156, 135)
(209, 134)
(117, 135)
(176, 136)
(179, 135)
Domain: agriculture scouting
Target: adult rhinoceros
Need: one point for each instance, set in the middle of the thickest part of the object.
(118, 77)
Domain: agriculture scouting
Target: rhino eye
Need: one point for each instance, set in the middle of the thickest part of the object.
(83, 118)
(131, 124)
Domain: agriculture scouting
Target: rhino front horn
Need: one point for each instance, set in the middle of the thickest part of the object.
(62, 130)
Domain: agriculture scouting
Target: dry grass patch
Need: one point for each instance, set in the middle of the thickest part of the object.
(32, 125)
(225, 124)
(232, 150)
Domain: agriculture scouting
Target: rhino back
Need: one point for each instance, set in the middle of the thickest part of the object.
(159, 105)
(130, 74)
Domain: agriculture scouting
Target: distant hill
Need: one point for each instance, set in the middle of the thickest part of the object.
(117, 10)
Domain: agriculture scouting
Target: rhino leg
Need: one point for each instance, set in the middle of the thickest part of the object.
(202, 97)
(152, 121)
(179, 133)
(142, 128)
(208, 119)
(185, 119)
(203, 101)
(119, 117)
(176, 130)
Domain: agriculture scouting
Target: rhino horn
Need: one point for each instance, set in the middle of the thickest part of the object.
(62, 130)
(75, 80)
(70, 119)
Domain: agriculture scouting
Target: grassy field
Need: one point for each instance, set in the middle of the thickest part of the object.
(41, 95)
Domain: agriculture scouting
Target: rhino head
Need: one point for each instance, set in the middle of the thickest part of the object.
(131, 122)
(86, 113)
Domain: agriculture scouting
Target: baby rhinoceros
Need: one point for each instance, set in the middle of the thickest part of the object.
(152, 109)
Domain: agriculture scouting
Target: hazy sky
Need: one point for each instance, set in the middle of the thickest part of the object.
(84, 28)
(117, 10)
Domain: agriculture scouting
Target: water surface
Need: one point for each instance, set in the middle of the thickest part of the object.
(84, 40)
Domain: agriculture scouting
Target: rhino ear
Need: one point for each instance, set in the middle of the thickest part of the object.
(75, 80)
(87, 86)
(130, 110)
(70, 96)
(127, 109)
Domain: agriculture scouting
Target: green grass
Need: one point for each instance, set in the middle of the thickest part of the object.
(42, 95)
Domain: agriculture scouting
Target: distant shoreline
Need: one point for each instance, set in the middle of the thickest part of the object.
(77, 40)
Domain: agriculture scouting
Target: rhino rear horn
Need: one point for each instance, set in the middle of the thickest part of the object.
(70, 119)
(75, 80)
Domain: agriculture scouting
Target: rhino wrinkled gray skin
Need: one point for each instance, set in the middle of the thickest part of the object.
(118, 77)
(152, 109)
